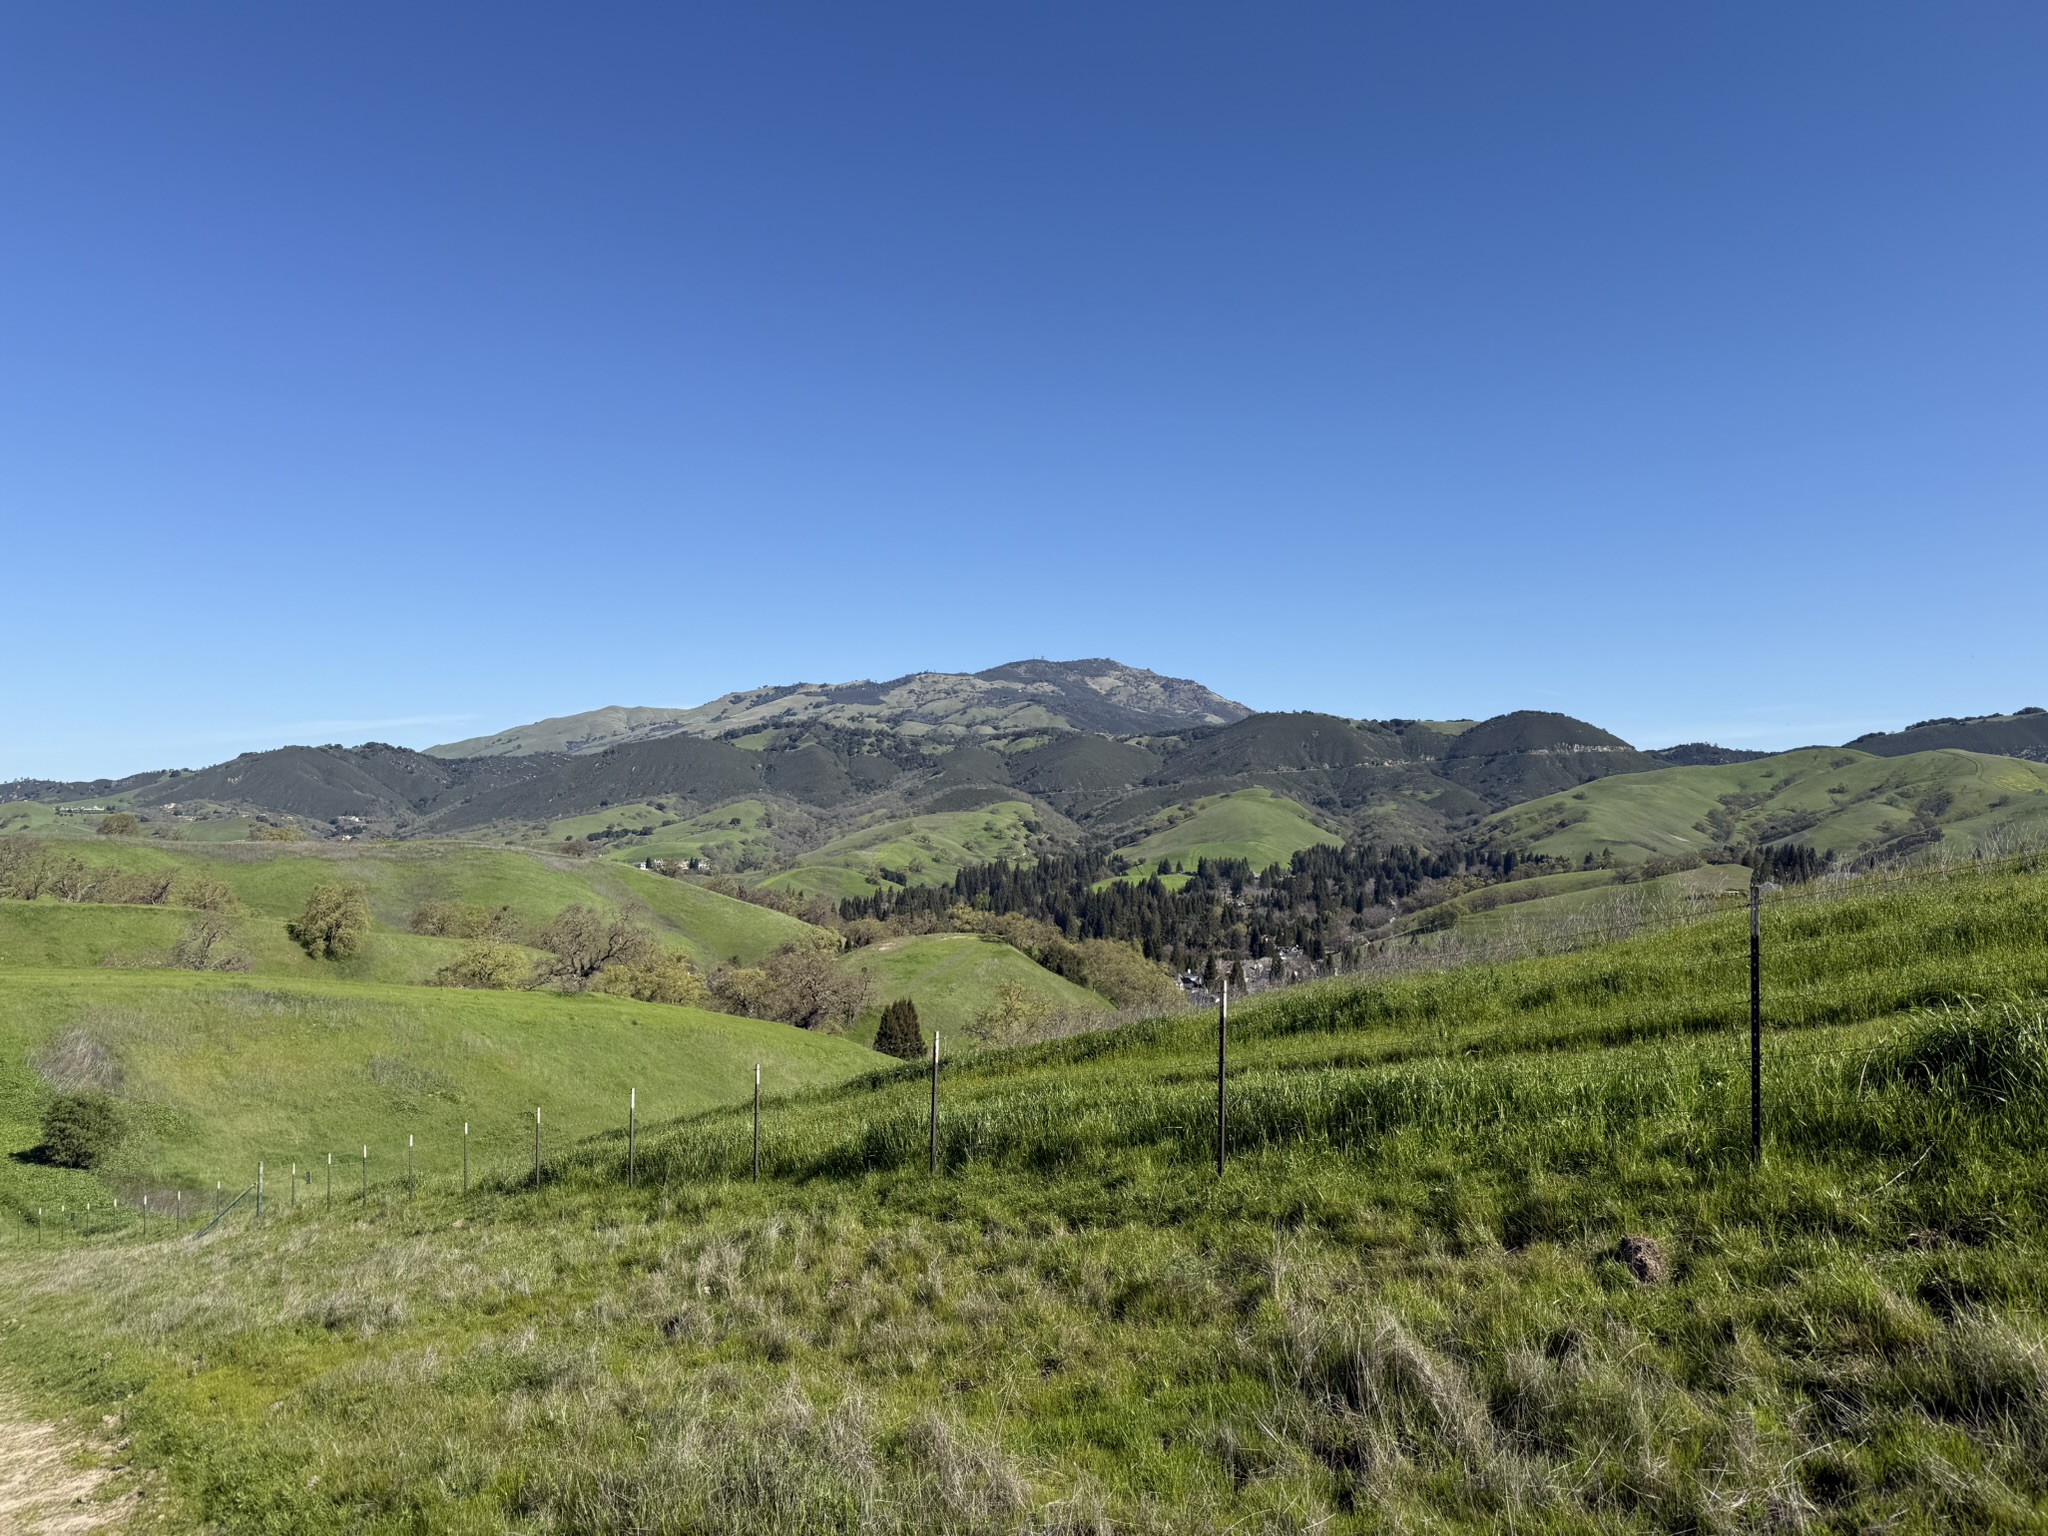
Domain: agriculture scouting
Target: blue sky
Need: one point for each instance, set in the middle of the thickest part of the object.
(404, 372)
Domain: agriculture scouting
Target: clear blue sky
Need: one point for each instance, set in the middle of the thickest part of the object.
(408, 371)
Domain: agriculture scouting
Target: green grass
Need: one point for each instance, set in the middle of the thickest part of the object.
(930, 850)
(1830, 797)
(1594, 897)
(725, 837)
(272, 881)
(955, 978)
(219, 1071)
(1253, 824)
(1401, 1309)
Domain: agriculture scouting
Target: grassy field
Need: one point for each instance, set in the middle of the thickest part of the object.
(928, 850)
(724, 837)
(217, 1072)
(1404, 1307)
(272, 882)
(1595, 897)
(1253, 824)
(1830, 797)
(956, 978)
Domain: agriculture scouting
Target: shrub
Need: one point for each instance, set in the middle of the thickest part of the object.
(204, 946)
(80, 1129)
(662, 978)
(488, 965)
(336, 919)
(898, 1034)
(583, 942)
(120, 824)
(288, 833)
(204, 892)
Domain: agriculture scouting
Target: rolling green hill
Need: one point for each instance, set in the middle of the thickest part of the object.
(955, 979)
(1850, 803)
(1491, 1253)
(273, 880)
(215, 1072)
(925, 850)
(1253, 824)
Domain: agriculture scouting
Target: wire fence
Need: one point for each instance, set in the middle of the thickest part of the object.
(376, 1180)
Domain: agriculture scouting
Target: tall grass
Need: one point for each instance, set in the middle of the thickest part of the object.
(1402, 1308)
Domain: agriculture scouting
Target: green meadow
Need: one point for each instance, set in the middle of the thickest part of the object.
(1833, 798)
(1253, 824)
(925, 850)
(1407, 1304)
(272, 881)
(955, 979)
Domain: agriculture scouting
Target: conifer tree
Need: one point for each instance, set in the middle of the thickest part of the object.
(898, 1033)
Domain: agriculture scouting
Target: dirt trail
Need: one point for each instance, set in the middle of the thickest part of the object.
(45, 1490)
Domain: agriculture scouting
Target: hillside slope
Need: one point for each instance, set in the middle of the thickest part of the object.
(1490, 1253)
(1847, 803)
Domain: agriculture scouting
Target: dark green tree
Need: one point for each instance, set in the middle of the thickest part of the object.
(79, 1129)
(898, 1033)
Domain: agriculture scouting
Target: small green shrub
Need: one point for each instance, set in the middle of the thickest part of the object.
(80, 1129)
(336, 919)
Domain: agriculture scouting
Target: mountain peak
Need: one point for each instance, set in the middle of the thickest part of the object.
(1094, 694)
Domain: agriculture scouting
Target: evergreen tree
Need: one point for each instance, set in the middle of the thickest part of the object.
(898, 1033)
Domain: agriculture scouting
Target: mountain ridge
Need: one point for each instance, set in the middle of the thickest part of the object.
(1092, 694)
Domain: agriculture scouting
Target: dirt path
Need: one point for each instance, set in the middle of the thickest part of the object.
(48, 1479)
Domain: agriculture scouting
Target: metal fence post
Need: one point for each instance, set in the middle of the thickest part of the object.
(935, 1102)
(1756, 1024)
(632, 1132)
(757, 1122)
(1222, 1065)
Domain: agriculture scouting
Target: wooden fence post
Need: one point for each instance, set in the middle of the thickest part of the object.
(632, 1133)
(757, 1122)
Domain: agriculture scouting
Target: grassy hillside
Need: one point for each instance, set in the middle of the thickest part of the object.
(927, 850)
(1404, 1307)
(216, 1072)
(957, 978)
(273, 880)
(1832, 798)
(1601, 899)
(1253, 824)
(79, 935)
(725, 837)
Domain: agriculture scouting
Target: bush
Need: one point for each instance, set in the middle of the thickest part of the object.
(204, 946)
(663, 978)
(288, 833)
(898, 1034)
(120, 824)
(488, 965)
(583, 942)
(335, 922)
(80, 1129)
(204, 892)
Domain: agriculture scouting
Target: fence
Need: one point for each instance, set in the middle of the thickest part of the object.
(178, 1211)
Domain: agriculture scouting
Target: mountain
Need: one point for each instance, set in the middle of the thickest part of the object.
(1092, 695)
(2023, 733)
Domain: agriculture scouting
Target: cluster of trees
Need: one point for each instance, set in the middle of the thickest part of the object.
(802, 983)
(1789, 863)
(1322, 902)
(30, 868)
